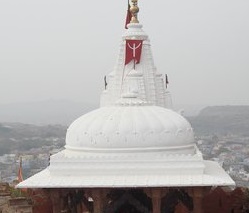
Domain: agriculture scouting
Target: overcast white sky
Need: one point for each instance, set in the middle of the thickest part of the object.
(61, 49)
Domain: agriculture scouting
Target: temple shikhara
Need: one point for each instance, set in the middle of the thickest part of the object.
(134, 154)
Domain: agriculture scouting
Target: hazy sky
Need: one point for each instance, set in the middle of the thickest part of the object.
(61, 49)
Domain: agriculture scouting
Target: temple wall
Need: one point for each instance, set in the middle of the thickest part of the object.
(205, 200)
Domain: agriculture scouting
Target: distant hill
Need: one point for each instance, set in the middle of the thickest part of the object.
(22, 137)
(219, 120)
(62, 112)
(222, 120)
(45, 112)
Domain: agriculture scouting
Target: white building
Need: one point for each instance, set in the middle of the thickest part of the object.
(132, 145)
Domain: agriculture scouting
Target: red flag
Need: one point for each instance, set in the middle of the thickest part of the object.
(133, 51)
(128, 16)
(20, 177)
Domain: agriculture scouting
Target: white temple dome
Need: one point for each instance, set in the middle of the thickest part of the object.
(133, 140)
(131, 125)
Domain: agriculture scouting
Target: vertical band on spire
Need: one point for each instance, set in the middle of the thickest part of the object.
(134, 11)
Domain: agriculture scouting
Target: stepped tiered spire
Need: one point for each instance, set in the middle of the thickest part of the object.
(135, 69)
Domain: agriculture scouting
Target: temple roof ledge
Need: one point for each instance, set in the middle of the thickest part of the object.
(135, 31)
(134, 26)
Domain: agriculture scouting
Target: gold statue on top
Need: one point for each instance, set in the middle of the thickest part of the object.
(134, 9)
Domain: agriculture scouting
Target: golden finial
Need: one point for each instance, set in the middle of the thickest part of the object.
(134, 9)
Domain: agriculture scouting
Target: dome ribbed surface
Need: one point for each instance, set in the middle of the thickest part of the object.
(127, 127)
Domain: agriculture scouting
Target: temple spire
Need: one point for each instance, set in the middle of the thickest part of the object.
(134, 9)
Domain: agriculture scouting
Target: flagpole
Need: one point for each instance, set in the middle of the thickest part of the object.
(166, 81)
(128, 15)
(20, 177)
